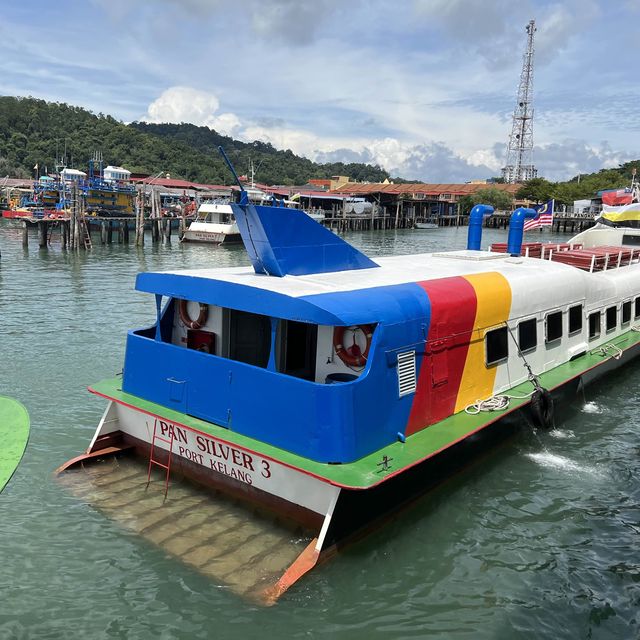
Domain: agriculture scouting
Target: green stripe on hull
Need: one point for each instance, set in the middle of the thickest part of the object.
(14, 435)
(367, 471)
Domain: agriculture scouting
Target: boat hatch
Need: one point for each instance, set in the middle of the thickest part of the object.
(470, 254)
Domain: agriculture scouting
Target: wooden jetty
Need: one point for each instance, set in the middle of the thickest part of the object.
(562, 222)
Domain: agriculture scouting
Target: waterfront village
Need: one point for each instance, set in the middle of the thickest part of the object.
(109, 199)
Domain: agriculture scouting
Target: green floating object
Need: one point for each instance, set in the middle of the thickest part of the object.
(14, 435)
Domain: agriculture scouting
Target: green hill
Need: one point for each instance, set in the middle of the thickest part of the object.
(34, 132)
(584, 186)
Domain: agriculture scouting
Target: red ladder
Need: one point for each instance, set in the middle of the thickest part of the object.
(152, 460)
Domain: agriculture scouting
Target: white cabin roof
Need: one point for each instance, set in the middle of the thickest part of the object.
(403, 269)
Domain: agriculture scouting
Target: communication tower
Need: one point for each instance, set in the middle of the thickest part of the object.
(519, 165)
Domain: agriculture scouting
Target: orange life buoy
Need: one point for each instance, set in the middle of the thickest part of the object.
(353, 356)
(186, 319)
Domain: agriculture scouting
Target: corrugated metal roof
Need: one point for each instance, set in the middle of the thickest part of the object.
(176, 183)
(435, 189)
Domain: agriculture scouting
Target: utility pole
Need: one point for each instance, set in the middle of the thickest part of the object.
(519, 165)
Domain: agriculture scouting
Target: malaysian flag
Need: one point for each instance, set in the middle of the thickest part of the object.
(543, 219)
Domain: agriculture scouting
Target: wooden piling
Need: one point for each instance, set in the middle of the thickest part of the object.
(25, 234)
(42, 234)
(103, 232)
(140, 217)
(183, 223)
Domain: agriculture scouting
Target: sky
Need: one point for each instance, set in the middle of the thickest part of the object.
(424, 88)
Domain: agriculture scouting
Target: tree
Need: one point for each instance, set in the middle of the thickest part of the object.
(536, 189)
(497, 198)
(466, 204)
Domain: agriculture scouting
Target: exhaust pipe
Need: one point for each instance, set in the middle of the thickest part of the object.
(476, 216)
(516, 229)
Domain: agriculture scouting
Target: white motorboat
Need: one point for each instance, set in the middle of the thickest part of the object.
(215, 224)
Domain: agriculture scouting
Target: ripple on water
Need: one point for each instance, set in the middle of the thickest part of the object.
(554, 461)
(592, 407)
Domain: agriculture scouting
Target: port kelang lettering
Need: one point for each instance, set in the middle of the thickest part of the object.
(225, 452)
(232, 472)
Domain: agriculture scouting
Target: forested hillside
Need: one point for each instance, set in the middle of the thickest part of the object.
(34, 132)
(579, 187)
(271, 166)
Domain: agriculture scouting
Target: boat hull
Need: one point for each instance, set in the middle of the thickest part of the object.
(214, 462)
(211, 237)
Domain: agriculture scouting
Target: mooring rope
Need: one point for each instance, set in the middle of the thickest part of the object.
(610, 347)
(502, 401)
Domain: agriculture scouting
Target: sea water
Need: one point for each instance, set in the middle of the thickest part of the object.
(539, 539)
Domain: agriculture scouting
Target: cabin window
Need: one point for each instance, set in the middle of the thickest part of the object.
(554, 326)
(637, 313)
(298, 343)
(631, 239)
(527, 335)
(626, 312)
(575, 319)
(249, 337)
(594, 325)
(496, 346)
(612, 318)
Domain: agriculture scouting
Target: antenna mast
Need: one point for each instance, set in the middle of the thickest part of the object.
(519, 165)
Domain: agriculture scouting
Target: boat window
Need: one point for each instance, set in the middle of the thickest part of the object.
(633, 240)
(612, 318)
(575, 319)
(554, 326)
(527, 335)
(496, 345)
(637, 313)
(298, 343)
(626, 312)
(594, 325)
(249, 337)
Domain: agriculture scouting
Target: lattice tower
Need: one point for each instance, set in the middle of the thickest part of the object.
(519, 165)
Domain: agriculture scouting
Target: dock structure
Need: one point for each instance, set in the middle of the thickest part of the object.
(562, 222)
(76, 228)
(346, 206)
(353, 206)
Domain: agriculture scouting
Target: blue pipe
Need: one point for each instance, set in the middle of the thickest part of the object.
(476, 216)
(516, 229)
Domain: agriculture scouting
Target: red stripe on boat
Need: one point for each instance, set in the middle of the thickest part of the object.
(453, 311)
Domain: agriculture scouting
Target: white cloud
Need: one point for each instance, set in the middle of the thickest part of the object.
(427, 160)
(569, 157)
(185, 104)
(293, 21)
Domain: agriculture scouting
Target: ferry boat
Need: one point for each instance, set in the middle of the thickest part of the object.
(331, 388)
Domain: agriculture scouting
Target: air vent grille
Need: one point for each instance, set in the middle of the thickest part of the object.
(406, 373)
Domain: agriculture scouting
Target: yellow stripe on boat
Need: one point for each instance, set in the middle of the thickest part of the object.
(493, 294)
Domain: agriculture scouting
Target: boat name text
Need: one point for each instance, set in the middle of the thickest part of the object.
(216, 455)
